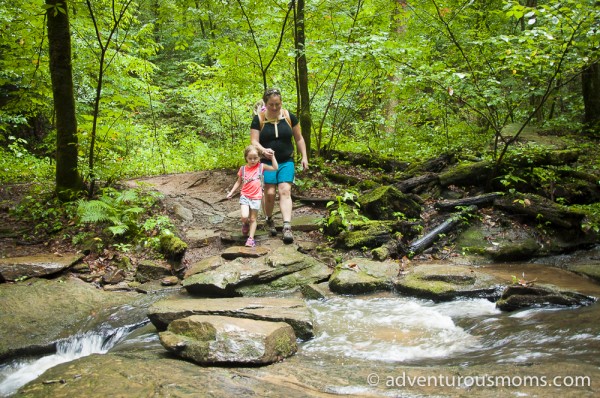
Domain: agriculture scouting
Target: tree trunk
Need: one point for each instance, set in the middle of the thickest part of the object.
(591, 98)
(68, 180)
(304, 111)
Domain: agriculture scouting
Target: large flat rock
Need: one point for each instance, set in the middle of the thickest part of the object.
(292, 311)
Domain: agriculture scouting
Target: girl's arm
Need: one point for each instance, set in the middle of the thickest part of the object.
(235, 187)
(274, 165)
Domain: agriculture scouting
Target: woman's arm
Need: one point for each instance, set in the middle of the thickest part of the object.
(301, 145)
(264, 152)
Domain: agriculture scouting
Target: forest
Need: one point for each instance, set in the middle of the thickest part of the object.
(95, 92)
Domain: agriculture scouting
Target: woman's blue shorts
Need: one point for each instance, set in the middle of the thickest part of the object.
(285, 173)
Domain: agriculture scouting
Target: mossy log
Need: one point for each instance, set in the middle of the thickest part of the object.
(411, 183)
(475, 173)
(485, 199)
(434, 165)
(428, 239)
(541, 209)
(369, 160)
(551, 158)
(467, 173)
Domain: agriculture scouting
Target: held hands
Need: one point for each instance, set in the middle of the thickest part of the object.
(268, 153)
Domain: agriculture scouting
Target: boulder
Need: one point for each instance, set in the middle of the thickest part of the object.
(383, 203)
(220, 340)
(518, 296)
(214, 277)
(15, 268)
(148, 270)
(359, 275)
(289, 310)
(444, 282)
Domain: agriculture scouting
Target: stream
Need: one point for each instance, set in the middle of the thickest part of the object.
(389, 329)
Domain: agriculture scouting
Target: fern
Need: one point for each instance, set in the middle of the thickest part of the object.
(94, 211)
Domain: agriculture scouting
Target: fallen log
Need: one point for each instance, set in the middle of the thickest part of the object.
(428, 239)
(411, 183)
(478, 200)
(540, 209)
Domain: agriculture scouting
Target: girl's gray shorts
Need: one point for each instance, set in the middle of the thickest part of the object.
(253, 204)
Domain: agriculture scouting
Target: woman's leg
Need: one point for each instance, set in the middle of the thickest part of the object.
(285, 201)
(285, 205)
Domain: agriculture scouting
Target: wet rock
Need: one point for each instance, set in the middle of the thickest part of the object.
(38, 312)
(316, 291)
(208, 339)
(289, 310)
(444, 282)
(516, 297)
(148, 270)
(359, 275)
(15, 268)
(371, 234)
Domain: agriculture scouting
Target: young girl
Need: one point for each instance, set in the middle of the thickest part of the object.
(249, 177)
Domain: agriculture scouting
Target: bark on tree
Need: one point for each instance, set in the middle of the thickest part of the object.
(591, 98)
(68, 180)
(304, 110)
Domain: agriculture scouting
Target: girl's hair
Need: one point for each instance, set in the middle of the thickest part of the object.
(269, 93)
(259, 107)
(248, 149)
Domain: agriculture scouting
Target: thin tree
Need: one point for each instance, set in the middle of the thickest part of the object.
(302, 75)
(68, 180)
(104, 63)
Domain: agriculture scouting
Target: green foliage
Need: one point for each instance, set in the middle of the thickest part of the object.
(41, 209)
(181, 79)
(344, 209)
(120, 211)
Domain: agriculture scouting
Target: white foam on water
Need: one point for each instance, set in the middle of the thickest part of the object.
(392, 329)
(17, 374)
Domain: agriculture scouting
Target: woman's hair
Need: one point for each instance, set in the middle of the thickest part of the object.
(270, 92)
(248, 149)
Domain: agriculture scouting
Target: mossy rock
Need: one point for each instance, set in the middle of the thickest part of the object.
(172, 247)
(384, 202)
(372, 234)
(358, 275)
(443, 282)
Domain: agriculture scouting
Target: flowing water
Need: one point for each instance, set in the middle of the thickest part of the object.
(387, 328)
(17, 373)
(466, 332)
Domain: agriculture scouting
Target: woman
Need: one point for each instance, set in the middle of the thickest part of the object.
(271, 132)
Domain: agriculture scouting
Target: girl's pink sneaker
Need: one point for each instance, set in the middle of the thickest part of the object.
(250, 243)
